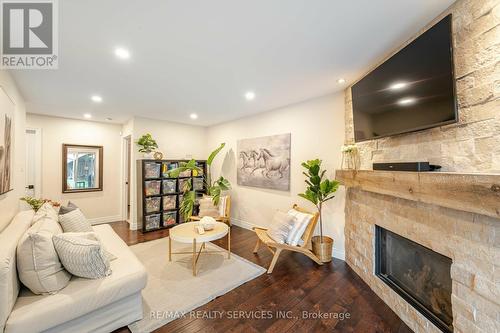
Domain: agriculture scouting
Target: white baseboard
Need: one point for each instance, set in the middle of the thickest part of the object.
(339, 254)
(105, 219)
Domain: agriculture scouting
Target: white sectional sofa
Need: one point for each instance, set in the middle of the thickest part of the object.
(84, 305)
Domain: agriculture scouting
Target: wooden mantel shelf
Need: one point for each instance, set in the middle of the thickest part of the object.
(476, 193)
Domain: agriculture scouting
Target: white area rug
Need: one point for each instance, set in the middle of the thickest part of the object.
(172, 289)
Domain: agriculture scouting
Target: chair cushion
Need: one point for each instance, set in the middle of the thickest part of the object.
(37, 261)
(280, 227)
(207, 208)
(75, 221)
(301, 222)
(9, 283)
(37, 313)
(82, 255)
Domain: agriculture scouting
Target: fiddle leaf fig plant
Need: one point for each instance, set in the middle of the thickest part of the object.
(214, 189)
(147, 144)
(319, 189)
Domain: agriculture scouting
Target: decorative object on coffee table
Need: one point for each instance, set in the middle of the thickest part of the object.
(319, 190)
(187, 233)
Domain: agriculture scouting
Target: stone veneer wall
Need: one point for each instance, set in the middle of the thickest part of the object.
(472, 241)
(472, 144)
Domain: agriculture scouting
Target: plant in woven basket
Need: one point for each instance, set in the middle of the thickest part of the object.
(319, 189)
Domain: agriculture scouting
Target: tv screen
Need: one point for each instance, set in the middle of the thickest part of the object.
(413, 90)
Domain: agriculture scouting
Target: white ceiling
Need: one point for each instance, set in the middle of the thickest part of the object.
(202, 56)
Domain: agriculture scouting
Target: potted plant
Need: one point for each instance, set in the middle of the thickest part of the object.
(147, 145)
(319, 190)
(214, 188)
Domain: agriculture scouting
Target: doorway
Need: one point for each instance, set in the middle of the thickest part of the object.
(127, 158)
(33, 180)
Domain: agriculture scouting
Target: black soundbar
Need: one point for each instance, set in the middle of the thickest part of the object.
(406, 166)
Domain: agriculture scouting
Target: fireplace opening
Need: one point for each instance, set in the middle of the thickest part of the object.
(418, 274)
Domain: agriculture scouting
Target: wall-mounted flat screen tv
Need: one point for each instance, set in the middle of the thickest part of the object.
(413, 90)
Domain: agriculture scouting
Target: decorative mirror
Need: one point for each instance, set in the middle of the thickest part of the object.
(82, 168)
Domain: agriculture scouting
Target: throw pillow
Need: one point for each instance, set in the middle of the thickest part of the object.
(38, 264)
(280, 227)
(75, 221)
(47, 210)
(207, 208)
(66, 209)
(92, 236)
(81, 256)
(302, 221)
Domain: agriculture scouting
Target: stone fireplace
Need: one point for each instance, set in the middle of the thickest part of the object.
(418, 274)
(455, 216)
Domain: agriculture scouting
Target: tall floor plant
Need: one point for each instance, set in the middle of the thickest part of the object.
(214, 189)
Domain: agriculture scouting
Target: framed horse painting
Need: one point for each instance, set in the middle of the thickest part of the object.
(265, 162)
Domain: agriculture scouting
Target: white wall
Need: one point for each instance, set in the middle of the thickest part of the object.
(175, 141)
(99, 207)
(317, 128)
(9, 202)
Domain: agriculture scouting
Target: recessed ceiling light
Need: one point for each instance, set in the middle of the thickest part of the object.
(87, 116)
(407, 101)
(193, 116)
(122, 53)
(109, 119)
(340, 81)
(96, 98)
(398, 85)
(250, 95)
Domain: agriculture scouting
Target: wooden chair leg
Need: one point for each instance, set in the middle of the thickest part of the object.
(313, 257)
(273, 262)
(257, 245)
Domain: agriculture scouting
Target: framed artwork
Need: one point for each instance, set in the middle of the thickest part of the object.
(265, 162)
(82, 168)
(7, 108)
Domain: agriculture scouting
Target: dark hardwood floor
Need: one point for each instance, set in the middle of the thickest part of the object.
(296, 285)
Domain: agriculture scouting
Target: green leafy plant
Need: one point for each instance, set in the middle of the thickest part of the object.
(37, 203)
(319, 190)
(147, 144)
(214, 189)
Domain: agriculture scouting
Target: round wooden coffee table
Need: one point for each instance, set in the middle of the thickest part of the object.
(187, 233)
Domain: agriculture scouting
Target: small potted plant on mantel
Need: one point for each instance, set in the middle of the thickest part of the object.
(147, 145)
(319, 190)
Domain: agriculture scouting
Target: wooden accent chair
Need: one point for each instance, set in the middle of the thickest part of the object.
(276, 248)
(227, 212)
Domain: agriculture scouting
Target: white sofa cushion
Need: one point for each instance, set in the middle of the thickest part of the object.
(35, 313)
(9, 284)
(82, 255)
(281, 226)
(37, 261)
(46, 211)
(75, 221)
(301, 222)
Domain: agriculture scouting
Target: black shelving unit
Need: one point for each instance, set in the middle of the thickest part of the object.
(160, 196)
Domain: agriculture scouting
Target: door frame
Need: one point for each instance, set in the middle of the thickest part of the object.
(126, 173)
(38, 160)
